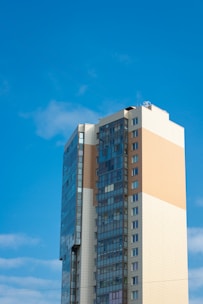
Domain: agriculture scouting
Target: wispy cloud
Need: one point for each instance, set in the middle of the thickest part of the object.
(82, 90)
(54, 81)
(4, 87)
(12, 263)
(195, 240)
(16, 240)
(122, 58)
(199, 201)
(13, 295)
(29, 281)
(113, 105)
(92, 73)
(59, 118)
(196, 300)
(196, 279)
(139, 98)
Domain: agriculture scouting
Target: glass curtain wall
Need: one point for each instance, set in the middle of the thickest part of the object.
(71, 216)
(112, 213)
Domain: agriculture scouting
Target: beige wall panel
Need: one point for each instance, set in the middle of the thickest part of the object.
(164, 252)
(163, 169)
(113, 117)
(87, 248)
(157, 121)
(90, 134)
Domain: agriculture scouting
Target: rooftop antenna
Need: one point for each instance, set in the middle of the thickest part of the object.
(147, 104)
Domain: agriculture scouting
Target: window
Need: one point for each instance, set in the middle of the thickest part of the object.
(134, 198)
(135, 238)
(104, 152)
(117, 147)
(135, 280)
(135, 185)
(134, 252)
(135, 121)
(135, 145)
(134, 133)
(109, 188)
(134, 266)
(134, 171)
(134, 158)
(134, 224)
(134, 295)
(135, 211)
(81, 138)
(79, 183)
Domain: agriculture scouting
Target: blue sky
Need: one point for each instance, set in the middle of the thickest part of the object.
(95, 57)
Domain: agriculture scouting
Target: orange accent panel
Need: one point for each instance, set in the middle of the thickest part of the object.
(89, 172)
(89, 166)
(163, 169)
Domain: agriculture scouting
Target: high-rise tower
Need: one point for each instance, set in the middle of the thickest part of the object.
(123, 219)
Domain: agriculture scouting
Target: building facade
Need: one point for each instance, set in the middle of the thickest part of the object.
(123, 217)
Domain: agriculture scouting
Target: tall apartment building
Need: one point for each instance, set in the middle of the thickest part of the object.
(123, 219)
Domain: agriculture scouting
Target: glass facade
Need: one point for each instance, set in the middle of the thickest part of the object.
(112, 213)
(71, 216)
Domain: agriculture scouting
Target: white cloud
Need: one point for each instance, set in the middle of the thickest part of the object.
(16, 240)
(13, 295)
(52, 264)
(195, 240)
(11, 263)
(29, 262)
(29, 281)
(59, 118)
(196, 278)
(82, 90)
